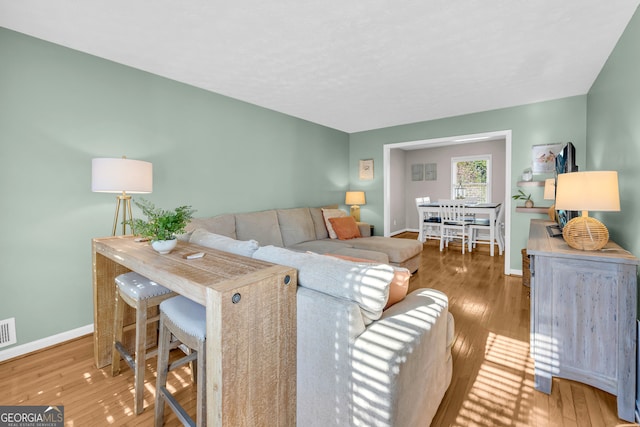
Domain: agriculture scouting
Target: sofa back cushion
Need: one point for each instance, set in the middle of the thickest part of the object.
(224, 225)
(261, 226)
(223, 243)
(365, 284)
(296, 226)
(318, 223)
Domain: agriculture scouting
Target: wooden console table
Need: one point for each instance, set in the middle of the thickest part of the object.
(583, 316)
(251, 323)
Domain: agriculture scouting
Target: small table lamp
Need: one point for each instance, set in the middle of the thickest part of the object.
(355, 199)
(121, 176)
(550, 194)
(587, 191)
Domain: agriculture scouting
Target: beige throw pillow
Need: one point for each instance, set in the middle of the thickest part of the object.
(332, 213)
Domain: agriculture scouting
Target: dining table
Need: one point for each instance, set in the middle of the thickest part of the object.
(489, 210)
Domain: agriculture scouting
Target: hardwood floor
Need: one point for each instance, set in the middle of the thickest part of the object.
(492, 381)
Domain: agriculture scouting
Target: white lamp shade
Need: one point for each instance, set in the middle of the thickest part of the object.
(112, 175)
(549, 189)
(354, 198)
(588, 191)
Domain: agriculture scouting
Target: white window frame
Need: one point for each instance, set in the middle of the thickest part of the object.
(454, 172)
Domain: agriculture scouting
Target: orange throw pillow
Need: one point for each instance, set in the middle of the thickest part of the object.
(399, 285)
(345, 227)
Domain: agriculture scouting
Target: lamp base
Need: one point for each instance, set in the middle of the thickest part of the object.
(126, 212)
(355, 212)
(585, 233)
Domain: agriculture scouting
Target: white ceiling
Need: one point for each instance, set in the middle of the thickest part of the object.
(352, 65)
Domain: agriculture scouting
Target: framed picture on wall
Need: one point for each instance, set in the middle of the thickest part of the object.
(430, 171)
(366, 170)
(543, 157)
(417, 172)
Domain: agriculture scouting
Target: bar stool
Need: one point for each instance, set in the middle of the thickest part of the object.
(140, 293)
(185, 320)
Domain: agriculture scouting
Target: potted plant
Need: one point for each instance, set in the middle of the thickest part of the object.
(161, 226)
(528, 203)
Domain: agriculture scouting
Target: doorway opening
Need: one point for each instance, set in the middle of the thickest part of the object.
(504, 135)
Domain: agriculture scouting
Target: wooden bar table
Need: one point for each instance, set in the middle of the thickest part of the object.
(251, 323)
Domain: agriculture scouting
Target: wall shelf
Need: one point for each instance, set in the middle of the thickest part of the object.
(535, 209)
(530, 184)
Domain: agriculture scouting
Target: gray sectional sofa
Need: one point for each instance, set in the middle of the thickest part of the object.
(360, 362)
(304, 230)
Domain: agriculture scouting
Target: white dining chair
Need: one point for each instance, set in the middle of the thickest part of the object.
(454, 222)
(429, 224)
(480, 231)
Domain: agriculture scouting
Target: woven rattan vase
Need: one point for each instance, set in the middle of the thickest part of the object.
(585, 233)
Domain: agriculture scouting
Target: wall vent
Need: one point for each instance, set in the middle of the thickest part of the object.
(7, 332)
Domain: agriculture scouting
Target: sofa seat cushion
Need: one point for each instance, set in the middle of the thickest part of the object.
(223, 243)
(365, 284)
(398, 250)
(320, 246)
(262, 226)
(370, 256)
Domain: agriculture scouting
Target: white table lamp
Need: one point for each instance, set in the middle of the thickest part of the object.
(587, 191)
(123, 176)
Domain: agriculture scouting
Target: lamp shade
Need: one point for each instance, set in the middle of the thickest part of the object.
(549, 189)
(354, 198)
(113, 175)
(588, 191)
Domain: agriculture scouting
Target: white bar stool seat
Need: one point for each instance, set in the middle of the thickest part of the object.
(140, 293)
(186, 321)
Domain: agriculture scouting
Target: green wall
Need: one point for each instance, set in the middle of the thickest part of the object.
(561, 120)
(613, 133)
(60, 108)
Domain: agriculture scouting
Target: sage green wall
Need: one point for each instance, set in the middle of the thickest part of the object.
(560, 120)
(613, 133)
(60, 108)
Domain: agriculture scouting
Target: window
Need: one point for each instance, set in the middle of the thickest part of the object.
(470, 178)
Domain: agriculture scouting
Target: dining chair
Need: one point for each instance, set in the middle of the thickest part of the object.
(480, 231)
(454, 222)
(429, 224)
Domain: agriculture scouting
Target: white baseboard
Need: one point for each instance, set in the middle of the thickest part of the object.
(21, 350)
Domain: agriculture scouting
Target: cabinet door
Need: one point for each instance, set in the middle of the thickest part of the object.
(583, 320)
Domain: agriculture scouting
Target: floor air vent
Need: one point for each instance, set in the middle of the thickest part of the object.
(7, 332)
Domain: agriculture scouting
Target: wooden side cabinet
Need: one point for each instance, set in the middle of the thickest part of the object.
(583, 316)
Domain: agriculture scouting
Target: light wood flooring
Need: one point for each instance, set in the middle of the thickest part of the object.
(492, 381)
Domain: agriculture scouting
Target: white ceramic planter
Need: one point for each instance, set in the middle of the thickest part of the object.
(164, 246)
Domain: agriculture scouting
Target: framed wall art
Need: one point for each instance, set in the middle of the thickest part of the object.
(543, 157)
(417, 172)
(366, 170)
(430, 171)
